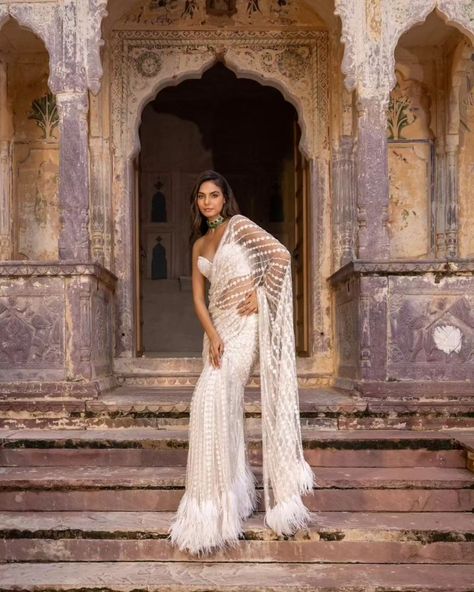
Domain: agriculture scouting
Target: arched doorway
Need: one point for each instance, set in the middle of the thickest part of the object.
(249, 133)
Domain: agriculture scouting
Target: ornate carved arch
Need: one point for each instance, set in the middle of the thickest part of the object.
(41, 19)
(396, 18)
(399, 18)
(144, 62)
(71, 32)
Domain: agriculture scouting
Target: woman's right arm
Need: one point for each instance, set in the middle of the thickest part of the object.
(199, 298)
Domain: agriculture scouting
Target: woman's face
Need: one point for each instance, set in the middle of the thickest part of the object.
(210, 199)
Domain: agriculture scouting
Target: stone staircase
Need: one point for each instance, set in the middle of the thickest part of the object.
(88, 488)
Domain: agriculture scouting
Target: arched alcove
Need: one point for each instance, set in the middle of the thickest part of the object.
(423, 133)
(29, 136)
(236, 126)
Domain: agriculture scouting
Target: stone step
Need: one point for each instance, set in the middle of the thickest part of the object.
(90, 477)
(326, 409)
(151, 447)
(178, 457)
(368, 499)
(155, 576)
(336, 537)
(466, 440)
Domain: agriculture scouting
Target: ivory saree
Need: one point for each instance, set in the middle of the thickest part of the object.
(220, 486)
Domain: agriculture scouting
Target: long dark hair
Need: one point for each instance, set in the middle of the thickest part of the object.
(231, 207)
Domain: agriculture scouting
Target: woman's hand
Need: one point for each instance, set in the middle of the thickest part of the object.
(249, 305)
(216, 350)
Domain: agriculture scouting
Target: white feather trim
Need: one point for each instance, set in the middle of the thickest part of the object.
(215, 524)
(286, 517)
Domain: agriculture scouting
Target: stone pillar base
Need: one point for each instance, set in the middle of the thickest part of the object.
(405, 328)
(56, 333)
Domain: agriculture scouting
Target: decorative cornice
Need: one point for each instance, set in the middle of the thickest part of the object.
(64, 268)
(443, 267)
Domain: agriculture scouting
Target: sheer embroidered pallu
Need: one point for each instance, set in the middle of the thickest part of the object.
(220, 486)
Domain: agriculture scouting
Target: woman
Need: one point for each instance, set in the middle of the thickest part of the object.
(250, 316)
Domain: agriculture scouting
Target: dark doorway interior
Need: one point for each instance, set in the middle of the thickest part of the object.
(242, 129)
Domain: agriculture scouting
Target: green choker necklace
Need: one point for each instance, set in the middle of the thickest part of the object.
(215, 223)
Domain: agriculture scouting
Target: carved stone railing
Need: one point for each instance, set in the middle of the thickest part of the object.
(55, 327)
(405, 327)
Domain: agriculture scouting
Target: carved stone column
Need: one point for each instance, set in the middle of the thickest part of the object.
(343, 179)
(372, 178)
(452, 156)
(6, 239)
(439, 205)
(447, 195)
(74, 241)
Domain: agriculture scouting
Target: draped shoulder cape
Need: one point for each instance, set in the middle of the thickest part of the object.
(267, 269)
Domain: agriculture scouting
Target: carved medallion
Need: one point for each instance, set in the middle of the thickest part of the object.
(148, 64)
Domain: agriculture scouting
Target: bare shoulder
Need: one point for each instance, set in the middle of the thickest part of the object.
(197, 245)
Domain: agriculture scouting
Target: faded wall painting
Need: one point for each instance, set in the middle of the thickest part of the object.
(410, 174)
(410, 162)
(191, 13)
(35, 159)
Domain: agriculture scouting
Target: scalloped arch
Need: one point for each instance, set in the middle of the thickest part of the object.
(398, 18)
(40, 22)
(416, 14)
(417, 18)
(157, 85)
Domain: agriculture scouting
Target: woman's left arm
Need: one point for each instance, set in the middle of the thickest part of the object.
(271, 261)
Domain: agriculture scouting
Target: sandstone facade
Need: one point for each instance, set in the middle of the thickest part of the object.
(383, 94)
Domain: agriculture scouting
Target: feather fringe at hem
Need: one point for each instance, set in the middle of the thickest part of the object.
(213, 525)
(288, 516)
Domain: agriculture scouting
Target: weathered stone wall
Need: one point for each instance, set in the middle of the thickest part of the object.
(372, 201)
(56, 315)
(403, 319)
(405, 328)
